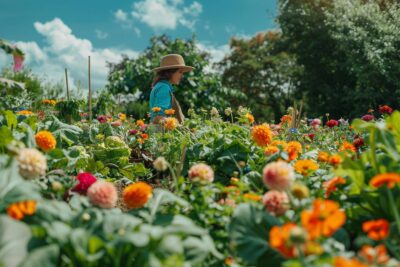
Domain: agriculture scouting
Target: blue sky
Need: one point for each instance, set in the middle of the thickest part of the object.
(57, 34)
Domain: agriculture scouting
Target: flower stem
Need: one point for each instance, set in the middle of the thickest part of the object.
(395, 211)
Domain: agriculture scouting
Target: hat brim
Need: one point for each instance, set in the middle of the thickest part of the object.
(184, 68)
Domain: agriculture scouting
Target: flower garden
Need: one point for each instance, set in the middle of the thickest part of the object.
(222, 189)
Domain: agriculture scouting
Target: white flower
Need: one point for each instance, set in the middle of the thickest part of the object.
(32, 163)
(228, 111)
(214, 112)
(160, 164)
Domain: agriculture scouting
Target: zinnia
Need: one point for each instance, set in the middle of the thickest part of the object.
(279, 237)
(293, 148)
(286, 119)
(368, 117)
(18, 210)
(169, 112)
(276, 202)
(388, 179)
(332, 123)
(170, 123)
(271, 150)
(156, 109)
(139, 123)
(385, 109)
(32, 163)
(323, 156)
(377, 255)
(45, 140)
(262, 134)
(102, 119)
(103, 194)
(335, 160)
(137, 194)
(249, 117)
(343, 262)
(278, 175)
(324, 219)
(330, 186)
(306, 166)
(201, 172)
(86, 179)
(376, 229)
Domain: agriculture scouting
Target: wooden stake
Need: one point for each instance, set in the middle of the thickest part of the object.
(66, 82)
(90, 91)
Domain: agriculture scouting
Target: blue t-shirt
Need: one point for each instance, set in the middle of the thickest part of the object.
(160, 96)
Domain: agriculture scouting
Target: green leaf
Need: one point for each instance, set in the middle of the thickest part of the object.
(5, 136)
(43, 256)
(249, 232)
(12, 121)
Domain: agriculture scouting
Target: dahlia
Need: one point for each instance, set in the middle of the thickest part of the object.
(86, 179)
(45, 140)
(276, 202)
(262, 134)
(278, 175)
(201, 172)
(32, 163)
(137, 194)
(103, 194)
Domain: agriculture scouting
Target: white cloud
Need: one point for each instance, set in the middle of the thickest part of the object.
(101, 35)
(166, 14)
(121, 16)
(217, 53)
(63, 49)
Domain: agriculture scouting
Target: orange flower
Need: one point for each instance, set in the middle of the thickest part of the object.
(145, 136)
(279, 143)
(25, 112)
(377, 255)
(122, 116)
(156, 109)
(20, 209)
(139, 123)
(330, 185)
(388, 179)
(253, 197)
(45, 140)
(279, 237)
(324, 218)
(171, 123)
(286, 119)
(49, 102)
(262, 134)
(270, 150)
(346, 146)
(376, 229)
(306, 166)
(137, 194)
(323, 156)
(140, 141)
(293, 148)
(343, 262)
(335, 160)
(169, 112)
(249, 117)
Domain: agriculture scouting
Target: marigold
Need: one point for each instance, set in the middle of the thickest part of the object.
(279, 237)
(306, 166)
(376, 229)
(330, 186)
(335, 160)
(169, 112)
(293, 148)
(25, 112)
(262, 134)
(139, 123)
(323, 156)
(170, 123)
(45, 140)
(343, 262)
(278, 175)
(249, 117)
(270, 150)
(286, 119)
(388, 179)
(156, 109)
(324, 219)
(374, 256)
(137, 194)
(18, 210)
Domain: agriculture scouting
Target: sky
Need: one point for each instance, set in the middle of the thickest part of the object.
(61, 34)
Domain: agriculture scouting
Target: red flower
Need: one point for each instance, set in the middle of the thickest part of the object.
(332, 123)
(86, 179)
(133, 132)
(358, 142)
(311, 136)
(368, 117)
(385, 109)
(102, 119)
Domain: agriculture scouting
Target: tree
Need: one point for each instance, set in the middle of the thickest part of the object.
(198, 89)
(262, 70)
(349, 51)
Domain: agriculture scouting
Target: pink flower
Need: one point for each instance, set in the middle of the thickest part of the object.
(116, 123)
(276, 202)
(368, 117)
(143, 127)
(315, 123)
(332, 123)
(103, 194)
(18, 61)
(102, 119)
(201, 172)
(133, 132)
(86, 179)
(278, 175)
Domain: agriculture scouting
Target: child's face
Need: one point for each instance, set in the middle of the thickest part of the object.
(177, 76)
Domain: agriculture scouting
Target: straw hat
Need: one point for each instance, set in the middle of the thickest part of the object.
(173, 61)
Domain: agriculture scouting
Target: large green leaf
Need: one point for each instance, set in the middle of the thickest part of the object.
(249, 232)
(43, 256)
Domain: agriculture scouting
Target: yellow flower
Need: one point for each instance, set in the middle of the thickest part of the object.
(156, 109)
(122, 116)
(139, 123)
(249, 117)
(25, 112)
(169, 112)
(49, 102)
(45, 140)
(170, 123)
(306, 166)
(271, 150)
